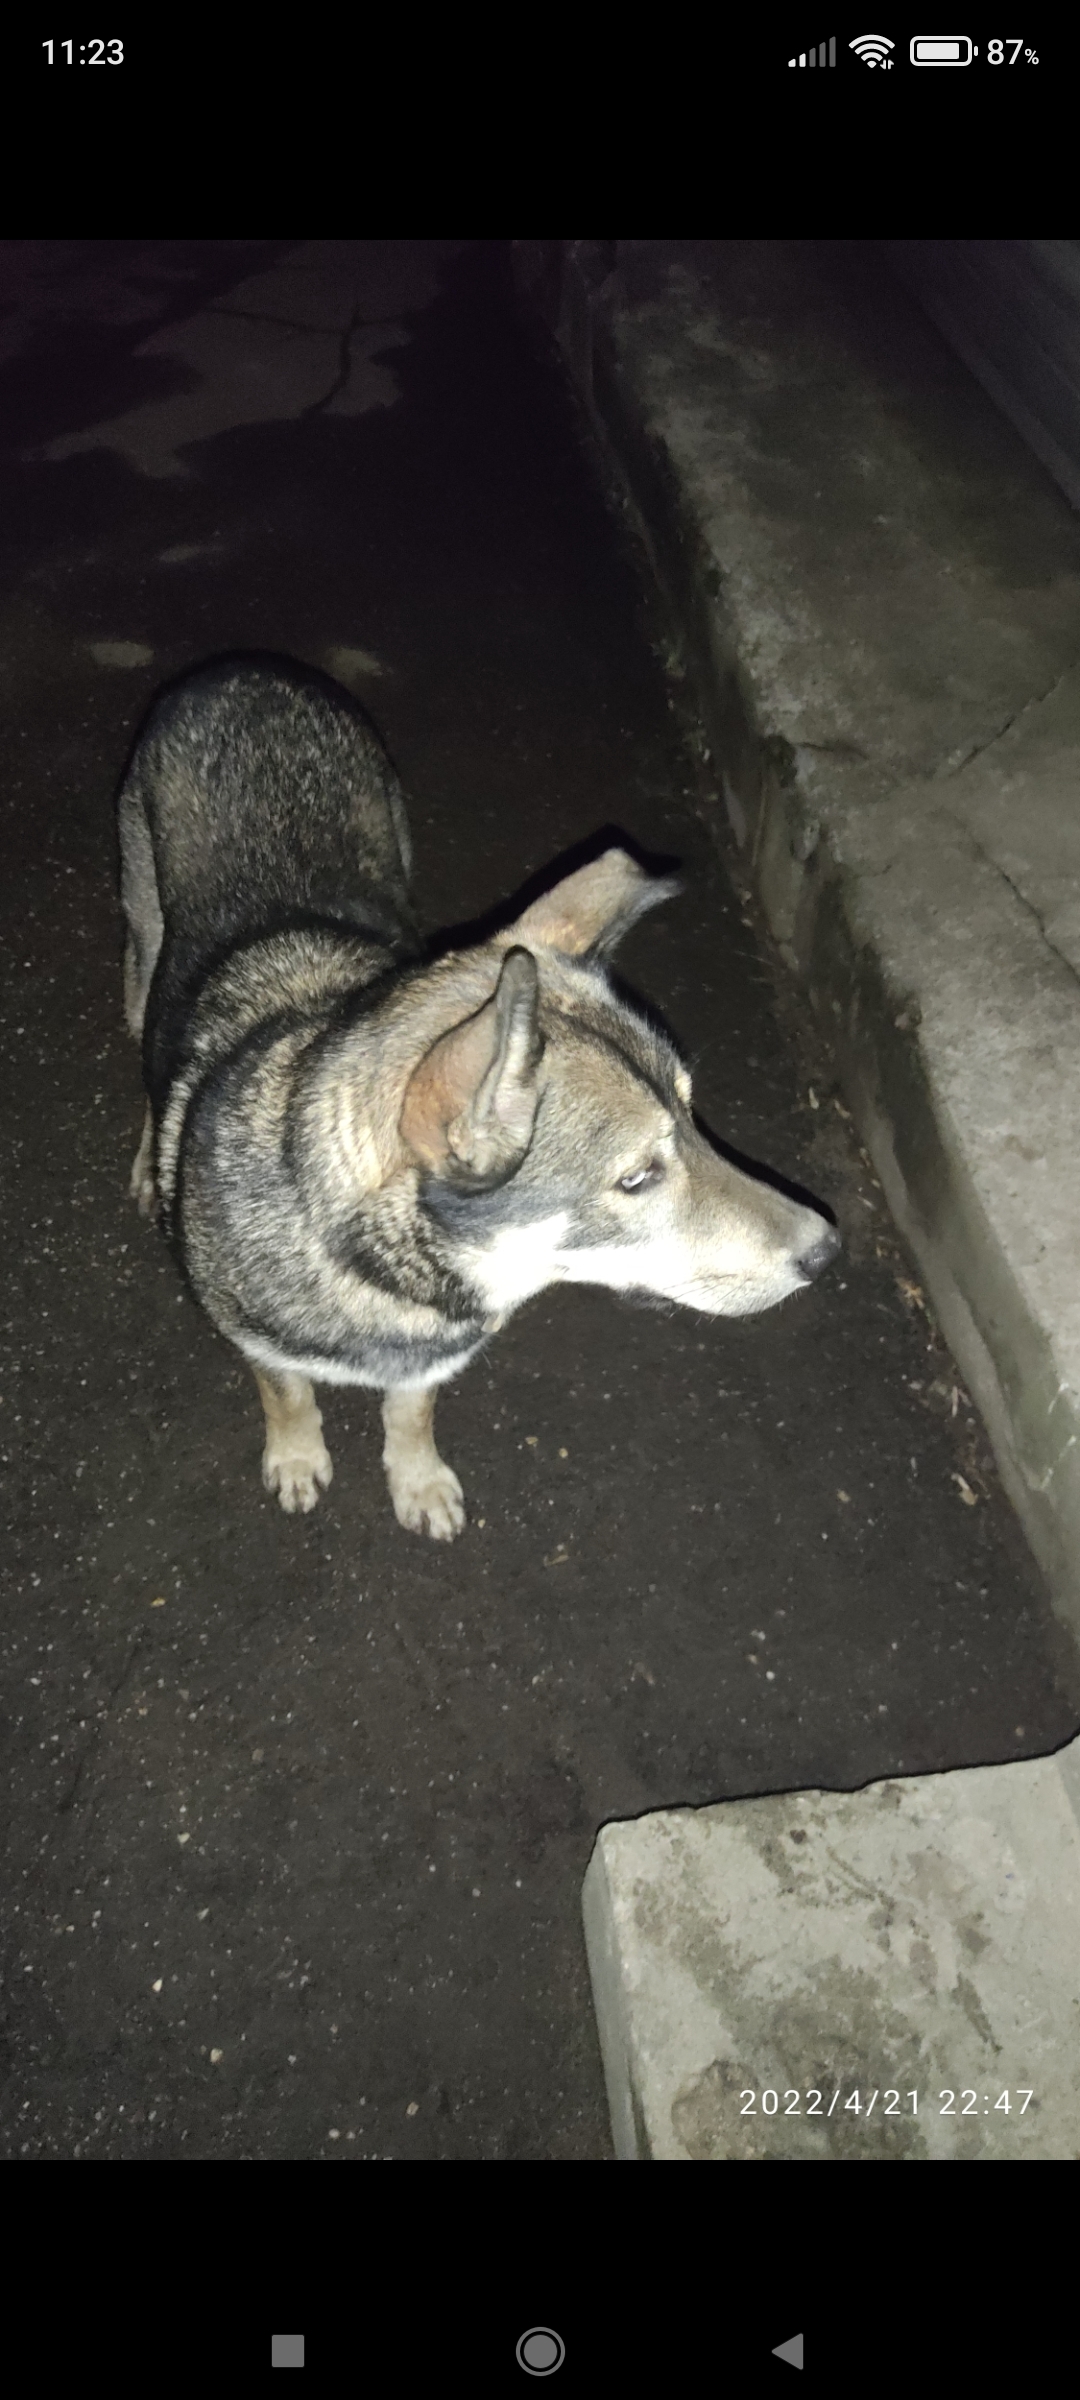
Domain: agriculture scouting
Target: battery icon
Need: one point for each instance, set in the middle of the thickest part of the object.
(942, 50)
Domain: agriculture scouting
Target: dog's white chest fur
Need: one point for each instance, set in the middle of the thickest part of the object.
(518, 1261)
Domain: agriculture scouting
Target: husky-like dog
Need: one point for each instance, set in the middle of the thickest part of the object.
(367, 1158)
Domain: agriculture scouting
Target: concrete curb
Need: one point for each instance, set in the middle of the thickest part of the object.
(885, 1974)
(891, 690)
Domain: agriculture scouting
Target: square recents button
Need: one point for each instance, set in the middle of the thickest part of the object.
(287, 2349)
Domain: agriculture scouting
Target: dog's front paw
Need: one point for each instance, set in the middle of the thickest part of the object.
(297, 1473)
(429, 1500)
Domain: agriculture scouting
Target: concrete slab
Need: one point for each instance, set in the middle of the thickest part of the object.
(306, 334)
(324, 284)
(885, 1974)
(876, 592)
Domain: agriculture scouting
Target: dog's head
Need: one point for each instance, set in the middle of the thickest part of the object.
(554, 1131)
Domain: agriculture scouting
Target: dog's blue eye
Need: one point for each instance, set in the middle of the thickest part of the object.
(633, 1183)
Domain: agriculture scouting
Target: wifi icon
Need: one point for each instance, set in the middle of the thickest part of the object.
(873, 49)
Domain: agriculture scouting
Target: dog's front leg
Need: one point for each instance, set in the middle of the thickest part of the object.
(296, 1462)
(142, 1187)
(426, 1493)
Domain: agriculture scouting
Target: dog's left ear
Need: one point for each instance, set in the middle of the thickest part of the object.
(592, 910)
(471, 1103)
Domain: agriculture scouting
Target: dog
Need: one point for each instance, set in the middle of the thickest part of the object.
(366, 1155)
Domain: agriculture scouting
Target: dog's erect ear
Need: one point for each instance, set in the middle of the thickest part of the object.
(591, 911)
(471, 1102)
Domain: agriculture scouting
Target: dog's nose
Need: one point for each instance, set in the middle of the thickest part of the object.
(812, 1260)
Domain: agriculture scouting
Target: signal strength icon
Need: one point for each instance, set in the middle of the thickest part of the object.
(873, 49)
(822, 55)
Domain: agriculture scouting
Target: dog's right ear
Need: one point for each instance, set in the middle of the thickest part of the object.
(471, 1103)
(590, 911)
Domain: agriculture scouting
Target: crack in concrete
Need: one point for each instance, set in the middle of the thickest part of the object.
(315, 408)
(945, 774)
(990, 861)
(833, 749)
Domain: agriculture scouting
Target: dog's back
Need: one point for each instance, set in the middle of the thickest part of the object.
(258, 800)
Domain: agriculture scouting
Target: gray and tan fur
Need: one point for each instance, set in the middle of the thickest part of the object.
(367, 1159)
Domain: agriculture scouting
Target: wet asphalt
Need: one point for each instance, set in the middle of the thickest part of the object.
(297, 1811)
